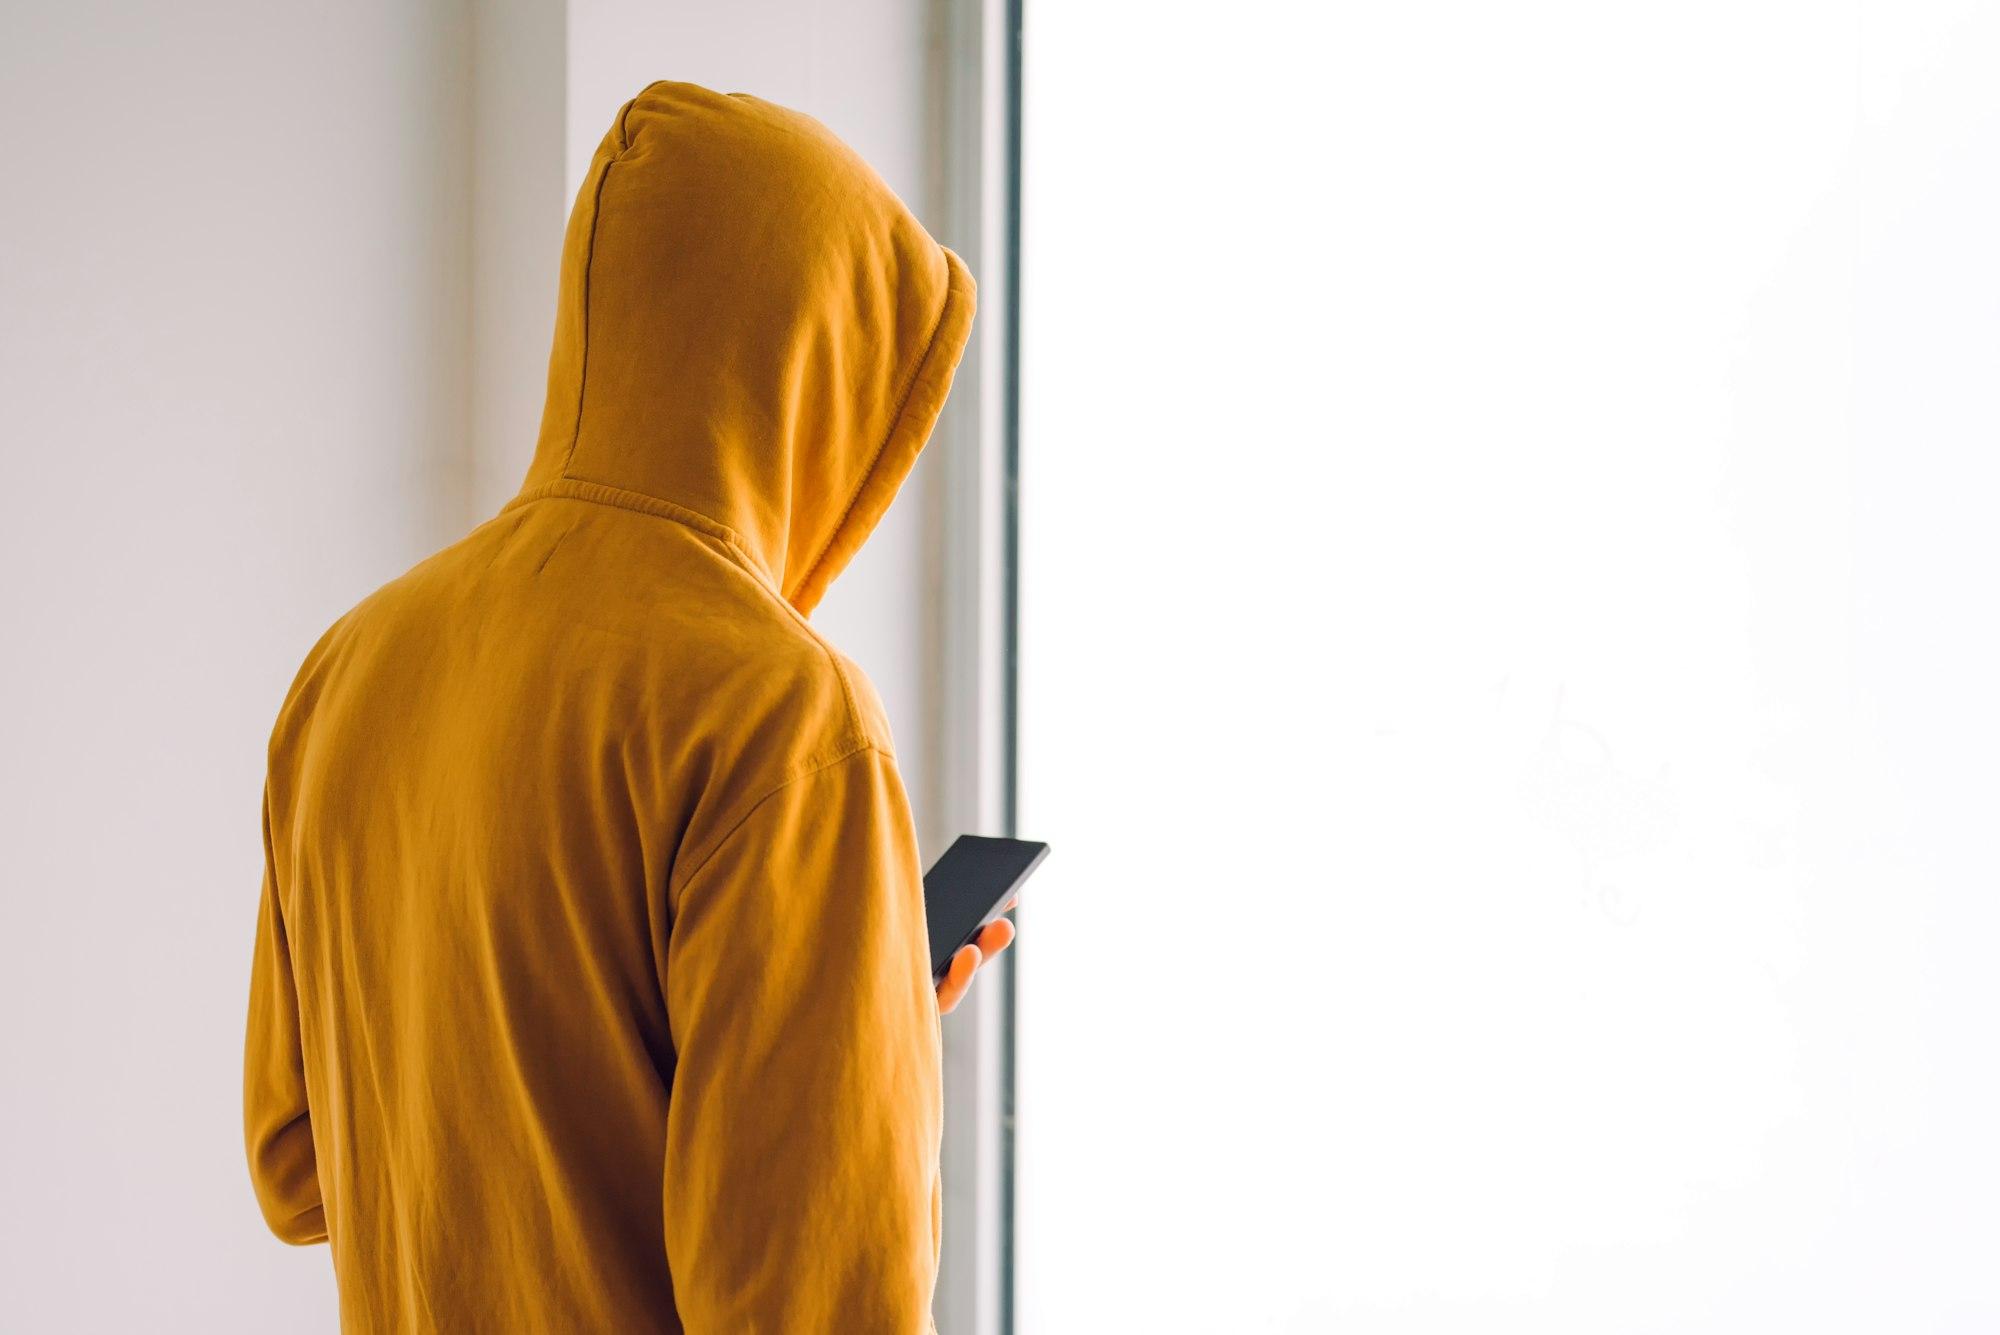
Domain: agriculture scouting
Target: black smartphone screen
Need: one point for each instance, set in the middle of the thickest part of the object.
(967, 888)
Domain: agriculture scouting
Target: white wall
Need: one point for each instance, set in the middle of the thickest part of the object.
(232, 310)
(520, 204)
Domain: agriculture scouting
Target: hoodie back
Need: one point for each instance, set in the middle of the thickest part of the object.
(591, 988)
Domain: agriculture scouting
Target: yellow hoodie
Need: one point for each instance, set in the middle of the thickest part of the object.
(590, 988)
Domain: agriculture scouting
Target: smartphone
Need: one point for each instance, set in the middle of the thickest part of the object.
(969, 887)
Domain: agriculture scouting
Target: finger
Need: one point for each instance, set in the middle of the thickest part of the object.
(966, 963)
(995, 937)
(957, 978)
(957, 981)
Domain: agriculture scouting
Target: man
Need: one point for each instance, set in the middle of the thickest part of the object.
(590, 989)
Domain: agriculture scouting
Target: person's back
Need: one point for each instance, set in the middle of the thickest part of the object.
(591, 988)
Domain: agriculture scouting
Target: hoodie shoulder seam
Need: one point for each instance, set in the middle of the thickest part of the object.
(677, 881)
(836, 661)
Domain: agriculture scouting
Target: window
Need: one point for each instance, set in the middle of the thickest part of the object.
(1506, 667)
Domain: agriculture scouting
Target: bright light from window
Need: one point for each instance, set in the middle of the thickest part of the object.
(1509, 668)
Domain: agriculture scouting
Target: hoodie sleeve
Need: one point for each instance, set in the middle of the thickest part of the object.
(277, 1127)
(801, 1183)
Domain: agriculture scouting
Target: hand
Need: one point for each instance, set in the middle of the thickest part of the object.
(995, 937)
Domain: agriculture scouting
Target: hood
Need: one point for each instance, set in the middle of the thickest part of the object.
(751, 327)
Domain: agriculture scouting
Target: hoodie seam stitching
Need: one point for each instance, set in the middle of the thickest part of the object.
(625, 114)
(619, 498)
(895, 425)
(589, 264)
(846, 686)
(807, 770)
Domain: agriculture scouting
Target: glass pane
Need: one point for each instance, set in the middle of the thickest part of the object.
(1507, 667)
